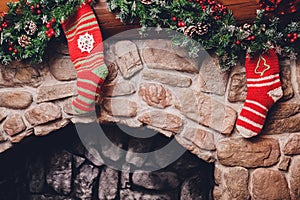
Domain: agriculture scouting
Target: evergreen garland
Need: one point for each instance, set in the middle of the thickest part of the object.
(212, 27)
(29, 25)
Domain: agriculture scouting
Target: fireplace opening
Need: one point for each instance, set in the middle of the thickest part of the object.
(61, 166)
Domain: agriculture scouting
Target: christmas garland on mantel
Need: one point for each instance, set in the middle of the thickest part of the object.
(29, 25)
(212, 27)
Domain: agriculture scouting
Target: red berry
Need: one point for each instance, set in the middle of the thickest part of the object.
(89, 1)
(289, 35)
(47, 32)
(39, 11)
(37, 6)
(16, 51)
(174, 18)
(292, 40)
(48, 25)
(1, 29)
(3, 14)
(32, 7)
(252, 37)
(53, 20)
(10, 49)
(52, 32)
(238, 42)
(49, 35)
(295, 35)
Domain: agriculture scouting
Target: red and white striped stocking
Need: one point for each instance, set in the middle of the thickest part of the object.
(264, 89)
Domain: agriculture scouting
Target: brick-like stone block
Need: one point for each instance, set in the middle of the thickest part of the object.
(163, 120)
(262, 152)
(43, 113)
(204, 110)
(14, 124)
(15, 99)
(55, 91)
(127, 58)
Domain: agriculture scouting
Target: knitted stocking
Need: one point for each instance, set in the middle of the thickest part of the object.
(264, 89)
(86, 51)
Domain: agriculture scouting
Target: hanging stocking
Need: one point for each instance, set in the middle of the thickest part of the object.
(264, 89)
(86, 52)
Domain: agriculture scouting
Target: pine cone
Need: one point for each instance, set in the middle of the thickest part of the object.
(200, 29)
(146, 2)
(24, 41)
(30, 27)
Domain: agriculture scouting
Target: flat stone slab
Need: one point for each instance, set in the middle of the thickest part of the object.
(262, 152)
(163, 120)
(168, 78)
(15, 99)
(14, 124)
(206, 111)
(55, 91)
(127, 58)
(43, 113)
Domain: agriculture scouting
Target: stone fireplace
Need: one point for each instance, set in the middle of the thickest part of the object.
(157, 86)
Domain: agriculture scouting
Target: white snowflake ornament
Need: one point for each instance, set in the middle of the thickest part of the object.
(86, 42)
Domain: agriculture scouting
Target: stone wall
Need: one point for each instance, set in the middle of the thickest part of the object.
(62, 169)
(153, 84)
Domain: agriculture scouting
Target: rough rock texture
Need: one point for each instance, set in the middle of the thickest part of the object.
(163, 120)
(94, 156)
(286, 125)
(169, 78)
(120, 107)
(128, 194)
(43, 113)
(206, 111)
(212, 79)
(108, 184)
(164, 58)
(127, 58)
(14, 124)
(55, 91)
(119, 89)
(287, 87)
(284, 163)
(45, 129)
(19, 75)
(60, 172)
(262, 152)
(295, 178)
(292, 146)
(3, 113)
(15, 100)
(193, 188)
(155, 95)
(236, 183)
(202, 139)
(283, 110)
(62, 68)
(84, 181)
(237, 88)
(155, 180)
(269, 184)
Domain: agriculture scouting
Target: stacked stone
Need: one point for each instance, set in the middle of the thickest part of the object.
(154, 84)
(65, 171)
